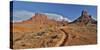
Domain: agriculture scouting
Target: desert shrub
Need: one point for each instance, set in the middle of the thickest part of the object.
(40, 33)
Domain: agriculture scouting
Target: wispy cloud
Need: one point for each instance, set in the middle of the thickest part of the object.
(57, 17)
(19, 15)
(94, 18)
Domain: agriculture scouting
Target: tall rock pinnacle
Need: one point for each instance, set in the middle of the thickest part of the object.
(84, 19)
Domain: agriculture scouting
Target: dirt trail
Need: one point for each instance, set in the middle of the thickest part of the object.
(66, 38)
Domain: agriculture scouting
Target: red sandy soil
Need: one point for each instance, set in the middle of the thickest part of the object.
(39, 32)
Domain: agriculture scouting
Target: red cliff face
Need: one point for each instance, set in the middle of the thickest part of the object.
(37, 18)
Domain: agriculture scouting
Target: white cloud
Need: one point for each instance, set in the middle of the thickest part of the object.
(19, 15)
(57, 17)
(94, 18)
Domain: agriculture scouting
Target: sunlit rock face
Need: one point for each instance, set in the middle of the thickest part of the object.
(85, 18)
(52, 16)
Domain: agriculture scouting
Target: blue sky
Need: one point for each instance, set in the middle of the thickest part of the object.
(69, 11)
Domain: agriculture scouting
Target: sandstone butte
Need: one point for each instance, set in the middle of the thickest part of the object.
(40, 32)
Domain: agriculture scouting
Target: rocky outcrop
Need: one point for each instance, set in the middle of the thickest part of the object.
(84, 19)
(39, 32)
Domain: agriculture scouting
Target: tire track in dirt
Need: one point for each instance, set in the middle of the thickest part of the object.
(66, 38)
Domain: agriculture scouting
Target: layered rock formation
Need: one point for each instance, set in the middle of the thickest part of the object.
(39, 31)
